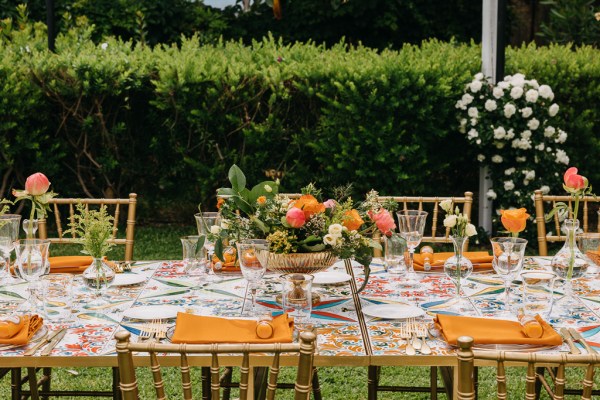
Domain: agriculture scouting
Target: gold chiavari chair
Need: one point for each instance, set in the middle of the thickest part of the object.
(129, 383)
(545, 202)
(66, 206)
(532, 363)
(435, 232)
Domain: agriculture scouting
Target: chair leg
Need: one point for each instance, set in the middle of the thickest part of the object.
(15, 383)
(115, 384)
(33, 387)
(316, 387)
(205, 383)
(447, 377)
(433, 382)
(373, 382)
(226, 382)
(47, 377)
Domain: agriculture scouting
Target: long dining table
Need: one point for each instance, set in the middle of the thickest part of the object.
(349, 335)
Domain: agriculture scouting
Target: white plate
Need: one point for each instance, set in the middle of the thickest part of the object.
(128, 279)
(330, 278)
(393, 311)
(152, 312)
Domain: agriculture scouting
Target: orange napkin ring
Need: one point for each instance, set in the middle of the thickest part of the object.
(264, 327)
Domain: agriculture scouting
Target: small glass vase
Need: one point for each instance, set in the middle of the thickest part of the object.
(30, 227)
(569, 262)
(457, 268)
(98, 276)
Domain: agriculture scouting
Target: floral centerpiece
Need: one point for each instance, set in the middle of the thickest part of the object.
(36, 190)
(301, 226)
(513, 127)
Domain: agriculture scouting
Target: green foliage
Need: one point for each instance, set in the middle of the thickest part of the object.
(93, 229)
(572, 21)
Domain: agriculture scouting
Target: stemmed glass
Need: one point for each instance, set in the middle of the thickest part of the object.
(32, 260)
(411, 225)
(509, 254)
(208, 223)
(9, 233)
(253, 255)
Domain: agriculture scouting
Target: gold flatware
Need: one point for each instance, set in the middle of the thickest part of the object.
(407, 336)
(567, 338)
(55, 340)
(46, 340)
(577, 336)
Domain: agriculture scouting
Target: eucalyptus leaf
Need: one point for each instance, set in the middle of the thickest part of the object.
(237, 178)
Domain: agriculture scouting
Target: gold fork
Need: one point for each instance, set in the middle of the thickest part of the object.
(145, 332)
(406, 335)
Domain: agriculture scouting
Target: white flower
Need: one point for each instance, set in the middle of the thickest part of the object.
(490, 194)
(503, 85)
(475, 86)
(546, 92)
(460, 105)
(561, 157)
(215, 229)
(498, 92)
(490, 105)
(329, 239)
(450, 221)
(472, 112)
(336, 230)
(526, 134)
(473, 121)
(480, 157)
(516, 92)
(446, 205)
(517, 193)
(463, 126)
(104, 46)
(549, 131)
(533, 124)
(553, 110)
(470, 230)
(499, 145)
(540, 147)
(510, 134)
(545, 189)
(509, 171)
(529, 174)
(521, 159)
(509, 110)
(472, 134)
(509, 185)
(523, 144)
(268, 188)
(562, 136)
(531, 95)
(467, 99)
(497, 159)
(518, 80)
(534, 84)
(479, 76)
(478, 141)
(526, 112)
(224, 224)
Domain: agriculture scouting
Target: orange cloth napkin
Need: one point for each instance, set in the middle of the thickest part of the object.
(480, 260)
(593, 255)
(69, 264)
(493, 331)
(190, 328)
(19, 330)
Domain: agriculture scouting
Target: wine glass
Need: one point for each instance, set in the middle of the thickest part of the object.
(208, 223)
(32, 260)
(509, 253)
(253, 255)
(9, 233)
(411, 225)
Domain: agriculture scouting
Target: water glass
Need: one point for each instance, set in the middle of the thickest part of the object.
(9, 233)
(253, 255)
(32, 262)
(57, 292)
(589, 244)
(296, 297)
(394, 249)
(538, 292)
(411, 224)
(208, 222)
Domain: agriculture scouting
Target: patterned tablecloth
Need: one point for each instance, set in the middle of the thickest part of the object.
(345, 336)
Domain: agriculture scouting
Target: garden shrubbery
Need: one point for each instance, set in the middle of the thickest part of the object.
(167, 122)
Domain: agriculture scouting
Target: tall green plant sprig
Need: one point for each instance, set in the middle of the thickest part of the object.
(93, 228)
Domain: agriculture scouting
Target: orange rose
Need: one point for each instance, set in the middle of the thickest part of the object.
(309, 205)
(220, 202)
(514, 220)
(261, 200)
(352, 220)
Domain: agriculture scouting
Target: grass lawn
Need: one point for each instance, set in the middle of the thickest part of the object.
(162, 242)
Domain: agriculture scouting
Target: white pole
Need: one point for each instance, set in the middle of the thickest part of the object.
(489, 51)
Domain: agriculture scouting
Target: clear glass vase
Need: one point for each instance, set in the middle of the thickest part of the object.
(30, 226)
(98, 276)
(569, 262)
(457, 268)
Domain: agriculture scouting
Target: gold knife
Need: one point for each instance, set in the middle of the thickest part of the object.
(55, 339)
(577, 336)
(567, 337)
(42, 342)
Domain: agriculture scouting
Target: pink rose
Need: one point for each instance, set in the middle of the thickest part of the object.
(37, 184)
(295, 217)
(573, 181)
(384, 221)
(329, 203)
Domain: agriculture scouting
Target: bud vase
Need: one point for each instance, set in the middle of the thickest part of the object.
(30, 227)
(457, 268)
(98, 276)
(569, 262)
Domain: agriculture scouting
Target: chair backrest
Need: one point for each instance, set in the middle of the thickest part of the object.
(532, 361)
(303, 350)
(63, 211)
(544, 203)
(435, 232)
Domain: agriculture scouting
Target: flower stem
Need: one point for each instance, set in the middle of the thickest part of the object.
(31, 216)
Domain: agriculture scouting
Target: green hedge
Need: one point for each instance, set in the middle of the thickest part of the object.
(168, 122)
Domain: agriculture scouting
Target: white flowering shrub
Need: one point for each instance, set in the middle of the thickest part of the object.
(511, 125)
